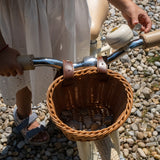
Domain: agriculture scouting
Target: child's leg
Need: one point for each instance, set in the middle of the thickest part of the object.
(23, 101)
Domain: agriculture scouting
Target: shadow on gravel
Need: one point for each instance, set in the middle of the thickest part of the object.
(58, 148)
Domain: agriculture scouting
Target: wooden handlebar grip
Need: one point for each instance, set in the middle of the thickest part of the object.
(26, 62)
(151, 39)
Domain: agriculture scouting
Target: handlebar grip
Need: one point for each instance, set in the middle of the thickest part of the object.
(151, 39)
(26, 62)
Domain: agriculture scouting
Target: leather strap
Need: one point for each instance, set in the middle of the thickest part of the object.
(101, 65)
(68, 69)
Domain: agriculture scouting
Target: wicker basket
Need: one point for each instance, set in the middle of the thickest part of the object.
(89, 88)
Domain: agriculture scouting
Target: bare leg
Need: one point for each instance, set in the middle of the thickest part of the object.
(23, 101)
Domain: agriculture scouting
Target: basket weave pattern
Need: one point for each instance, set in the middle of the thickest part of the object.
(90, 88)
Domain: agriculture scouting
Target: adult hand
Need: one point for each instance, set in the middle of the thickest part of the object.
(134, 14)
(8, 64)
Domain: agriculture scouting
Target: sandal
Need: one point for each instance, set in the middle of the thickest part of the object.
(34, 135)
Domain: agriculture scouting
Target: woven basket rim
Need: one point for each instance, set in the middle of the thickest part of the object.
(120, 120)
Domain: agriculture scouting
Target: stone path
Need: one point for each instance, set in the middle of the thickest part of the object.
(139, 136)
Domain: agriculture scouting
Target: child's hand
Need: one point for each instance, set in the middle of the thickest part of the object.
(134, 14)
(8, 63)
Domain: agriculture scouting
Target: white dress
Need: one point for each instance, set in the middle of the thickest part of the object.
(44, 28)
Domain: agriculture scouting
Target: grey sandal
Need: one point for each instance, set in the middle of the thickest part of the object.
(22, 127)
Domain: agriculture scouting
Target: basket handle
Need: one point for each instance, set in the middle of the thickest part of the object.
(151, 39)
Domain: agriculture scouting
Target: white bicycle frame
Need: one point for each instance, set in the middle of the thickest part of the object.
(109, 147)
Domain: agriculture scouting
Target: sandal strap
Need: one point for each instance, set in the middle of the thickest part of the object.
(31, 133)
(26, 122)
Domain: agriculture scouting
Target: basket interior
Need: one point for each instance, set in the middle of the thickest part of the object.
(96, 93)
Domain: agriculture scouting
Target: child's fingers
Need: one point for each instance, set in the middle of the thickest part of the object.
(2, 74)
(7, 74)
(19, 69)
(14, 73)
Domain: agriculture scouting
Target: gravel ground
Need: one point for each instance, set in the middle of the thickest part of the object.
(139, 135)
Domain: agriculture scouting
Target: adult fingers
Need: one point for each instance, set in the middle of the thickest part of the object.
(148, 24)
(145, 21)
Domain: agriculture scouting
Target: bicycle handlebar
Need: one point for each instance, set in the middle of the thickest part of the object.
(147, 40)
(151, 39)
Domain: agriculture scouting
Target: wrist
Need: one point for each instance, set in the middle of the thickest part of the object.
(122, 5)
